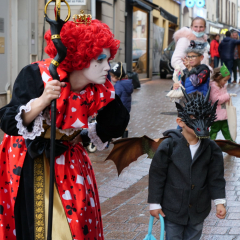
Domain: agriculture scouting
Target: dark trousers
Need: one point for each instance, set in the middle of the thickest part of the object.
(236, 65)
(176, 231)
(229, 65)
(216, 62)
(220, 126)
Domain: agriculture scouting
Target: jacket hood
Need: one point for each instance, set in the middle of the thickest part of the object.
(173, 133)
(177, 135)
(127, 84)
(187, 33)
(226, 39)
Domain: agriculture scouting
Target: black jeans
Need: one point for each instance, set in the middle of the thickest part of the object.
(182, 232)
(236, 65)
(216, 62)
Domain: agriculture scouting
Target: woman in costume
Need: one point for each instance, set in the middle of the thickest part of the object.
(182, 39)
(83, 90)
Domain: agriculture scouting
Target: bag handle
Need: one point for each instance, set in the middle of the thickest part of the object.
(151, 225)
(229, 102)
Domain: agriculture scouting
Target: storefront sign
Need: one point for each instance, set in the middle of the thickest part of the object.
(214, 30)
(223, 31)
(72, 2)
(191, 3)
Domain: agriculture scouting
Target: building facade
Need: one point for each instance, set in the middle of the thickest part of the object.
(168, 18)
(220, 15)
(22, 29)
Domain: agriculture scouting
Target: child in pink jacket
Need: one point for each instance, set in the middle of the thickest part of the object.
(219, 92)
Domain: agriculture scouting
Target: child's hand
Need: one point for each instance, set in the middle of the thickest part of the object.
(155, 213)
(233, 94)
(185, 62)
(176, 86)
(220, 211)
(76, 140)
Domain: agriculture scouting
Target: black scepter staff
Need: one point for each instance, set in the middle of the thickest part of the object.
(55, 27)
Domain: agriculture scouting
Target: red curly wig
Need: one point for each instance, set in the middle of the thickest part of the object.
(83, 42)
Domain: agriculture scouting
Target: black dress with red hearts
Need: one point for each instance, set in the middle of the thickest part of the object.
(74, 176)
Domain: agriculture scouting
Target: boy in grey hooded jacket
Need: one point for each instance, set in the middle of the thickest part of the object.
(186, 172)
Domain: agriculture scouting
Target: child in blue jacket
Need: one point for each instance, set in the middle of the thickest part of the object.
(123, 87)
(196, 75)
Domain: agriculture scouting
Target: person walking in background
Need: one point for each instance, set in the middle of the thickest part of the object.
(226, 51)
(236, 60)
(182, 38)
(219, 92)
(123, 87)
(214, 50)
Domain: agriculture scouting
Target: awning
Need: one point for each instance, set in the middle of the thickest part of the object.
(102, 1)
(145, 4)
(168, 16)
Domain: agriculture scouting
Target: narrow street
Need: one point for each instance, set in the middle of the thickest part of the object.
(124, 199)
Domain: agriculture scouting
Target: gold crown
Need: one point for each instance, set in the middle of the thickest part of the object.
(82, 18)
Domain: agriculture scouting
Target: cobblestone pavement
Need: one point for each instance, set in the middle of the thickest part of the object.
(124, 198)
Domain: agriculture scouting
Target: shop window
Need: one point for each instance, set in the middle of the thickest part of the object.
(140, 42)
(171, 31)
(99, 10)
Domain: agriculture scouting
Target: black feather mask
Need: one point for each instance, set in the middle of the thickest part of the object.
(203, 112)
(197, 44)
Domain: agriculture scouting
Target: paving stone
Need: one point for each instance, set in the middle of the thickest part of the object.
(211, 222)
(230, 193)
(234, 209)
(108, 191)
(115, 219)
(231, 198)
(218, 237)
(230, 188)
(102, 199)
(215, 230)
(234, 230)
(233, 203)
(119, 235)
(129, 227)
(229, 223)
(119, 184)
(139, 220)
(234, 216)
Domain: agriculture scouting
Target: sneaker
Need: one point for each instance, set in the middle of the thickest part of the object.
(234, 82)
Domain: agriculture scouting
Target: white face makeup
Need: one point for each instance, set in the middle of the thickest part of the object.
(98, 69)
